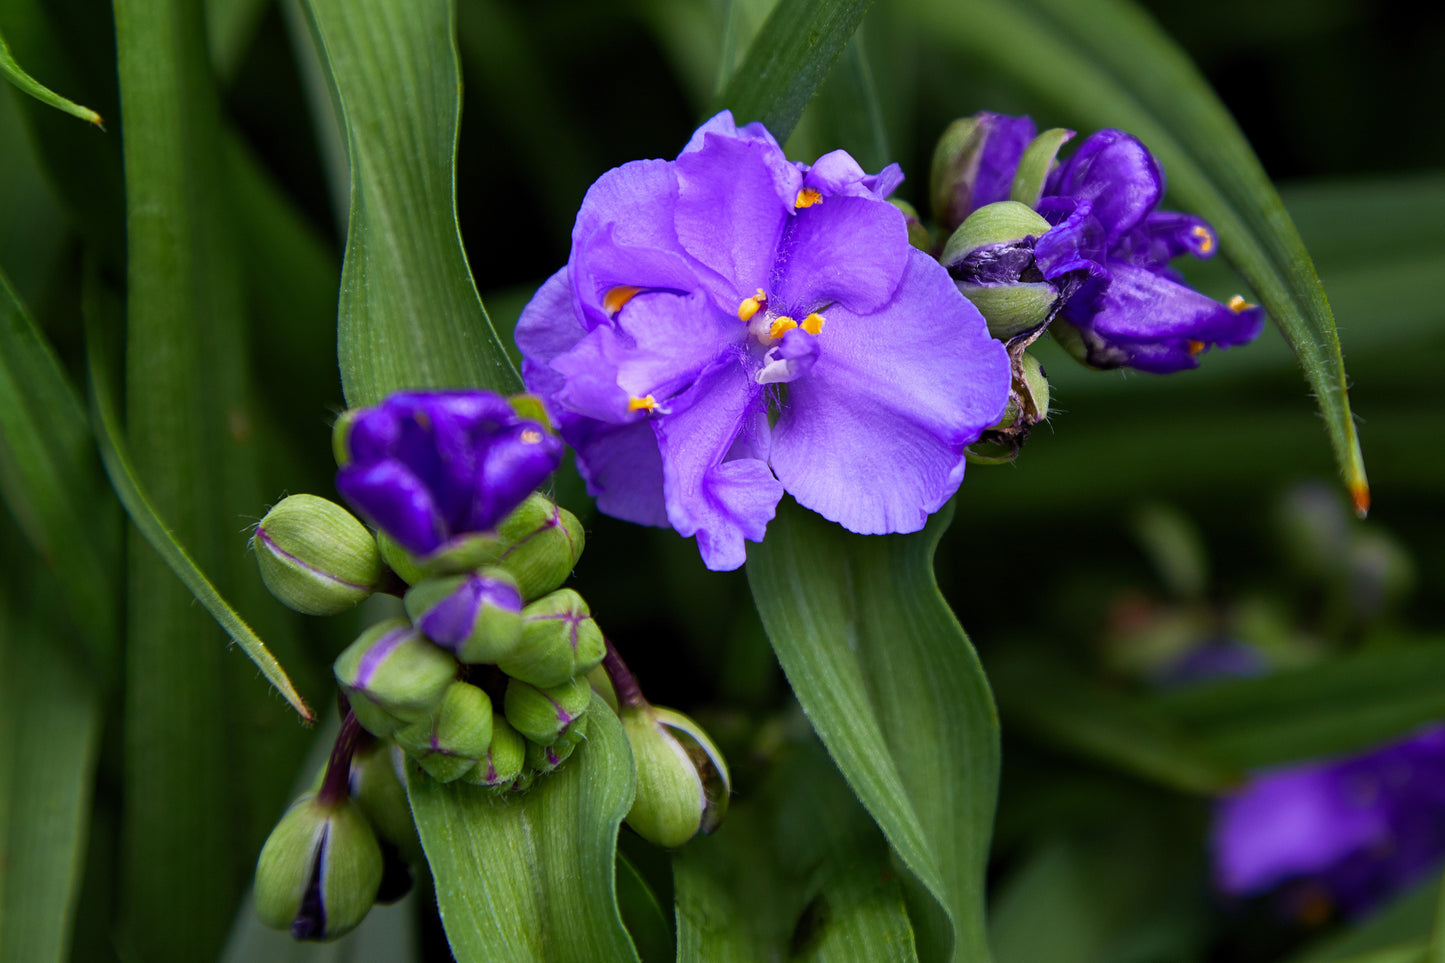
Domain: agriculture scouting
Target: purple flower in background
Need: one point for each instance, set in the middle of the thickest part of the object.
(1353, 830)
(427, 466)
(731, 325)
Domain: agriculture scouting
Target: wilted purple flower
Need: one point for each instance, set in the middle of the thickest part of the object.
(427, 466)
(1108, 254)
(1355, 830)
(705, 292)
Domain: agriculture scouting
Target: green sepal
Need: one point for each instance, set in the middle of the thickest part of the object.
(682, 781)
(500, 768)
(410, 679)
(1012, 310)
(315, 556)
(377, 787)
(1036, 164)
(496, 632)
(560, 641)
(331, 847)
(999, 223)
(452, 737)
(543, 714)
(540, 543)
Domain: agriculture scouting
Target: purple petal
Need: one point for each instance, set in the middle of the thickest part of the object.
(549, 326)
(1142, 306)
(1117, 174)
(873, 436)
(836, 172)
(511, 468)
(731, 210)
(622, 468)
(722, 503)
(390, 496)
(1004, 140)
(849, 250)
(450, 622)
(722, 123)
(1165, 235)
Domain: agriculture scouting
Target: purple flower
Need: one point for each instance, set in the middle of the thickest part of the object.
(1108, 255)
(426, 467)
(1354, 830)
(731, 325)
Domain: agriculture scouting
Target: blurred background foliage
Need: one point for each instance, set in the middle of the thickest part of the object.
(1161, 502)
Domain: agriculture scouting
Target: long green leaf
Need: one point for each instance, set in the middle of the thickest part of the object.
(49, 740)
(1108, 64)
(410, 316)
(529, 878)
(14, 73)
(789, 58)
(51, 481)
(892, 685)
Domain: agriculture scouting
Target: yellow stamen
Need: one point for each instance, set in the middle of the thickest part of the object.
(1206, 238)
(1238, 304)
(618, 297)
(750, 306)
(807, 197)
(531, 436)
(781, 326)
(813, 323)
(1196, 346)
(645, 403)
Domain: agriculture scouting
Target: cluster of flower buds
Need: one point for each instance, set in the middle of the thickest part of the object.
(486, 679)
(1075, 247)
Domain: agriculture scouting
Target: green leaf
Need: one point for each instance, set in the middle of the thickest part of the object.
(1107, 63)
(530, 877)
(649, 926)
(51, 481)
(788, 59)
(50, 717)
(892, 685)
(1343, 705)
(13, 72)
(410, 316)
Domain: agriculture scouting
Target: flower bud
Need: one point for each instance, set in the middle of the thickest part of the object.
(991, 258)
(542, 715)
(1028, 404)
(543, 759)
(448, 742)
(478, 617)
(543, 542)
(393, 676)
(505, 759)
(458, 555)
(682, 781)
(974, 164)
(315, 556)
(559, 641)
(319, 872)
(377, 786)
(918, 233)
(341, 436)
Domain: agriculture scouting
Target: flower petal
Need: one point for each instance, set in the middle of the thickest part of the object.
(1139, 305)
(390, 496)
(549, 326)
(849, 250)
(722, 503)
(1115, 172)
(1005, 139)
(621, 466)
(873, 436)
(512, 466)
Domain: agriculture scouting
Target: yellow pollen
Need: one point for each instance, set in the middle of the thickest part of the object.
(616, 298)
(807, 197)
(1238, 304)
(813, 323)
(781, 326)
(1206, 239)
(750, 306)
(1196, 346)
(531, 436)
(645, 403)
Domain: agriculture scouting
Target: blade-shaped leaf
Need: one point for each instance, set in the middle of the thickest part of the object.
(892, 685)
(51, 482)
(410, 316)
(788, 59)
(14, 73)
(531, 877)
(1108, 64)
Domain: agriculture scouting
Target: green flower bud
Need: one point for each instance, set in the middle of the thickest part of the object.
(543, 759)
(559, 641)
(319, 872)
(542, 715)
(449, 741)
(461, 554)
(955, 160)
(1028, 405)
(1036, 164)
(682, 781)
(542, 543)
(393, 676)
(378, 788)
(476, 616)
(315, 556)
(503, 764)
(999, 223)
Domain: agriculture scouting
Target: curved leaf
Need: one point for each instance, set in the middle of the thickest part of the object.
(530, 877)
(14, 73)
(409, 316)
(892, 685)
(1108, 64)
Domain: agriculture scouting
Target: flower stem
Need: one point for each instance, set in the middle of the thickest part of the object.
(336, 784)
(624, 683)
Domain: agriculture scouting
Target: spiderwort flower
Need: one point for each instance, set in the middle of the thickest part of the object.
(1348, 832)
(426, 467)
(702, 293)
